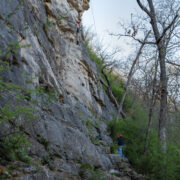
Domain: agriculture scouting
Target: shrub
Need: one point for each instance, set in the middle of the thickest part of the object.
(153, 163)
(88, 171)
(44, 142)
(13, 143)
(14, 147)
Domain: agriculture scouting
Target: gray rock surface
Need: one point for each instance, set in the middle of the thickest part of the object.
(38, 42)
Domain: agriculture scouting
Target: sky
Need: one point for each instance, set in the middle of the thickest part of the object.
(107, 14)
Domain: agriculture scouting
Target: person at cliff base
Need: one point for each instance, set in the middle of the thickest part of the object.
(120, 144)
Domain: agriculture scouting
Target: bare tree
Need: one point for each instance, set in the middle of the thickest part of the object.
(109, 65)
(162, 33)
(130, 75)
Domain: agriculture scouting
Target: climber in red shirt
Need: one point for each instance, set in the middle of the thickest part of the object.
(120, 144)
(78, 30)
(78, 26)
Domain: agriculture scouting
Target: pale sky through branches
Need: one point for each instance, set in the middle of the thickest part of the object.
(107, 14)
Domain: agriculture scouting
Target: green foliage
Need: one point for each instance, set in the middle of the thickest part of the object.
(89, 124)
(45, 160)
(114, 148)
(94, 57)
(96, 140)
(173, 162)
(49, 23)
(172, 131)
(46, 95)
(14, 147)
(153, 163)
(92, 125)
(44, 142)
(8, 113)
(117, 87)
(88, 171)
(13, 47)
(13, 143)
(3, 67)
(86, 166)
(17, 111)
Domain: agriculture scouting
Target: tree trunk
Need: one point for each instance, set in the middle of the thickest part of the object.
(108, 86)
(163, 102)
(162, 46)
(163, 78)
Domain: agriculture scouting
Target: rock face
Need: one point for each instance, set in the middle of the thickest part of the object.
(38, 42)
(53, 59)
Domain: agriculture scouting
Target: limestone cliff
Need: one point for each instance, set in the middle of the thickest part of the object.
(40, 38)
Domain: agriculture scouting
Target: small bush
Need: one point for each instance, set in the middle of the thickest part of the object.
(114, 148)
(45, 159)
(14, 147)
(44, 142)
(88, 171)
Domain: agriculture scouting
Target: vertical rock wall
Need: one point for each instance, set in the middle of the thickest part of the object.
(53, 58)
(38, 42)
